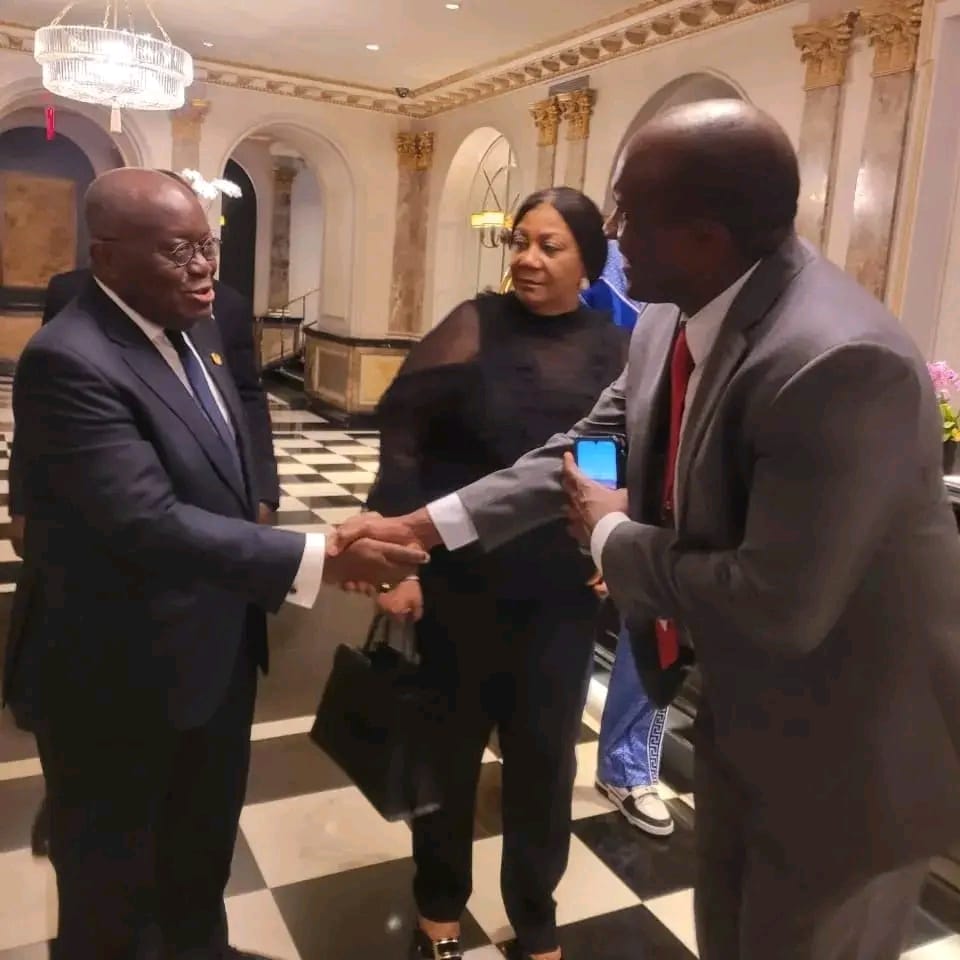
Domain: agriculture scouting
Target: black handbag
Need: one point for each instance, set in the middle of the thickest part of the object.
(381, 724)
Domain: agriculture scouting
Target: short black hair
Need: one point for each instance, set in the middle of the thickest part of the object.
(584, 220)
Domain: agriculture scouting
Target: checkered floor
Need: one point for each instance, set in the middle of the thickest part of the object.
(317, 875)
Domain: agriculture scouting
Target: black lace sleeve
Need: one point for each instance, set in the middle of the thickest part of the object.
(419, 407)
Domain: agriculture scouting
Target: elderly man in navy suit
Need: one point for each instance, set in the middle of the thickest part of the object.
(139, 620)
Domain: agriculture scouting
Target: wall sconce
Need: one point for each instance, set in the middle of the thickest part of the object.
(494, 226)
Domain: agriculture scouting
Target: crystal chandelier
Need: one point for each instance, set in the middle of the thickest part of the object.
(113, 65)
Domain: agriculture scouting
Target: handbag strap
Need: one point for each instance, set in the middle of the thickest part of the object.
(379, 624)
(379, 635)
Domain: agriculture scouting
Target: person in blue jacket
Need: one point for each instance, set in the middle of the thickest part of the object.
(632, 728)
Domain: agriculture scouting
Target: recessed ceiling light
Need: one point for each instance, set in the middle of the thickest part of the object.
(452, 6)
(373, 47)
(207, 43)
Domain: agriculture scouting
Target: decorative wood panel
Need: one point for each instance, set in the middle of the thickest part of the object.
(38, 229)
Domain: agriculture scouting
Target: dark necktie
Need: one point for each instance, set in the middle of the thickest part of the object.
(681, 367)
(203, 395)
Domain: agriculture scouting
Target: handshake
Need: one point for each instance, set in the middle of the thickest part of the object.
(373, 551)
(370, 551)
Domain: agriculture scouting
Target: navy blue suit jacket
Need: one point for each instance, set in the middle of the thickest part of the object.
(144, 569)
(234, 316)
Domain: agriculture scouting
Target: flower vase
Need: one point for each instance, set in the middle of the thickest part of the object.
(950, 457)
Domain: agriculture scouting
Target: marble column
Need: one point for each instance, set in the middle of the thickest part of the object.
(187, 127)
(414, 156)
(893, 28)
(546, 117)
(824, 48)
(285, 170)
(576, 109)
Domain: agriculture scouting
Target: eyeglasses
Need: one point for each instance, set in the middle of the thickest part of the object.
(184, 253)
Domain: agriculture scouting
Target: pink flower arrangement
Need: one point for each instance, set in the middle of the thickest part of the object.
(945, 381)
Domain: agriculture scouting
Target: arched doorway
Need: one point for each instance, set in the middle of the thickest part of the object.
(238, 233)
(689, 88)
(44, 182)
(305, 221)
(483, 178)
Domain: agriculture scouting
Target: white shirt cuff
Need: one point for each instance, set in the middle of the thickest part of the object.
(309, 578)
(453, 523)
(601, 533)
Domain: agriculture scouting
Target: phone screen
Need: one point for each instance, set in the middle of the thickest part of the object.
(599, 459)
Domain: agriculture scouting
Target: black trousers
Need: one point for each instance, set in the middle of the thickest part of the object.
(143, 822)
(748, 907)
(521, 668)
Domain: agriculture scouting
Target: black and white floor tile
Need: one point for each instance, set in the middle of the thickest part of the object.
(317, 874)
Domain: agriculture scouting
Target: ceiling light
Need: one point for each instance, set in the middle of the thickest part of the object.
(118, 68)
(452, 6)
(207, 43)
(373, 47)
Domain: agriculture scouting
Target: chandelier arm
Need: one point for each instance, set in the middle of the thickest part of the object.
(56, 20)
(159, 25)
(130, 23)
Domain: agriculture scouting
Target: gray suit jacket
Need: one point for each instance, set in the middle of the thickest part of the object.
(814, 567)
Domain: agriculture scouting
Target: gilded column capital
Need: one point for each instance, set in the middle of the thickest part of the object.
(415, 150)
(424, 150)
(546, 118)
(577, 108)
(824, 47)
(893, 29)
(285, 170)
(188, 120)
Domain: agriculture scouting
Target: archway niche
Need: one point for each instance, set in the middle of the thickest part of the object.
(690, 88)
(482, 176)
(318, 230)
(43, 185)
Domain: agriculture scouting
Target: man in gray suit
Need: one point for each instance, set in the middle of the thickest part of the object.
(811, 556)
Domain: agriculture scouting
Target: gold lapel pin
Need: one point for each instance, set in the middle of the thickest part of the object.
(217, 359)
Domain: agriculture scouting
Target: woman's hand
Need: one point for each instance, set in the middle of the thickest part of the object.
(404, 602)
(598, 586)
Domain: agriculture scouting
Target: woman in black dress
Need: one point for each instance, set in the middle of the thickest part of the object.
(507, 636)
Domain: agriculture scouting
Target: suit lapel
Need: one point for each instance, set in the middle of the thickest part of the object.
(754, 302)
(151, 368)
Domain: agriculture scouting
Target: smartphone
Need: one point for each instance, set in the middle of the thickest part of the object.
(601, 459)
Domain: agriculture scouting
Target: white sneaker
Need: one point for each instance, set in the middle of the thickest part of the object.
(641, 806)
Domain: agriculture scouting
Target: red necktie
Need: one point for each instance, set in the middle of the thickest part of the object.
(681, 367)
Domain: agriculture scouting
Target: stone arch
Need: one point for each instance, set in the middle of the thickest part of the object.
(689, 88)
(454, 243)
(336, 242)
(27, 98)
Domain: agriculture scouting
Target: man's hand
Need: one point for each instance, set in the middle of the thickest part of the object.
(589, 501)
(404, 602)
(372, 561)
(266, 515)
(414, 529)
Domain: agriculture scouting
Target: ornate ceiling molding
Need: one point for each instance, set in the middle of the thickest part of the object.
(635, 30)
(666, 26)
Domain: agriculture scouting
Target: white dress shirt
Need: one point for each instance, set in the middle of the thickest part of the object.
(455, 526)
(306, 585)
